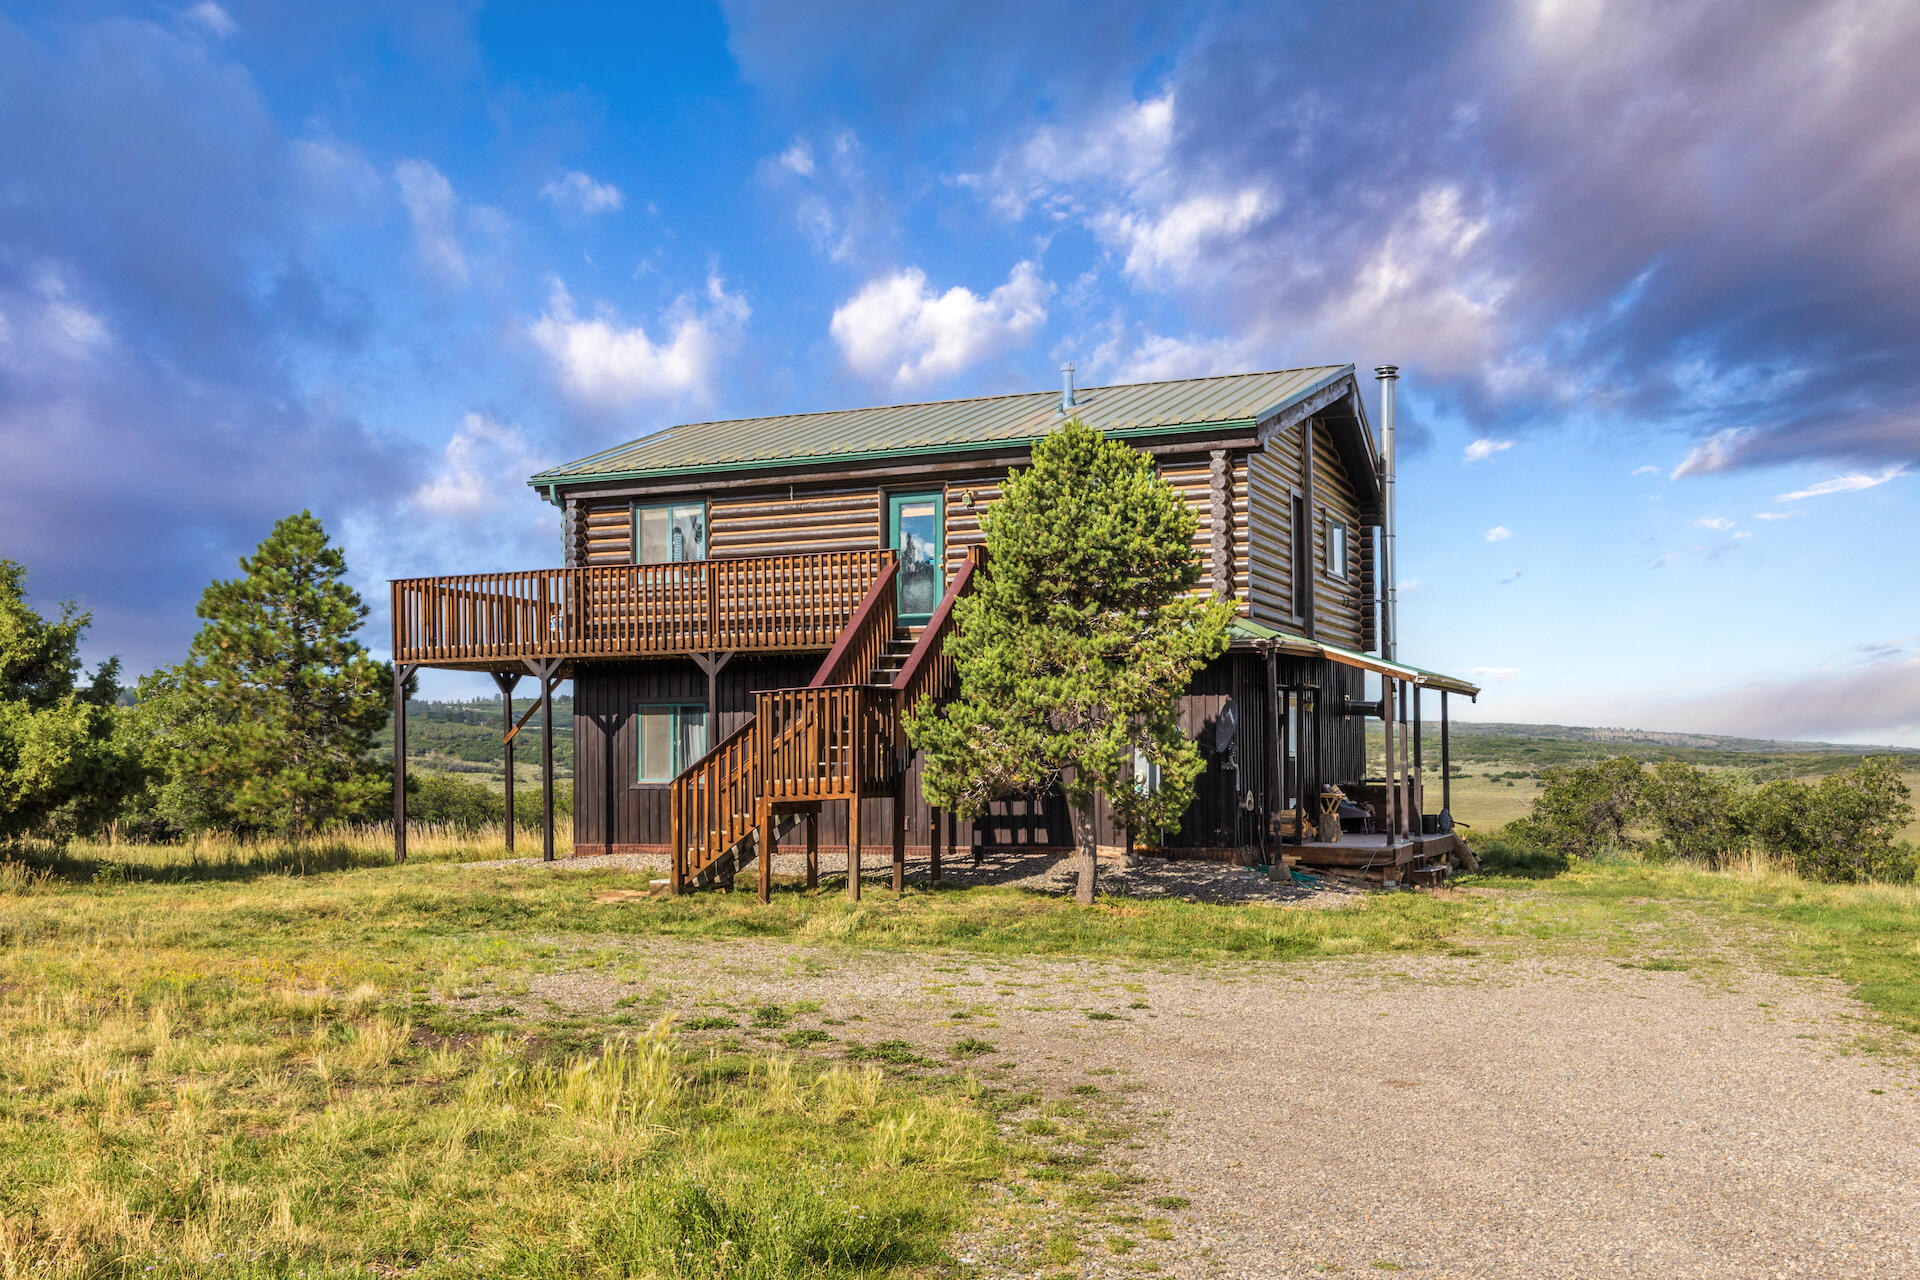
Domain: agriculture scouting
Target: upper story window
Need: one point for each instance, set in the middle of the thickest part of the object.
(670, 532)
(1336, 548)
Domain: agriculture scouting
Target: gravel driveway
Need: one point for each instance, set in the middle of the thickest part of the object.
(1480, 1115)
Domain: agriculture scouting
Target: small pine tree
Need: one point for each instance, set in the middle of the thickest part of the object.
(63, 768)
(1074, 648)
(269, 724)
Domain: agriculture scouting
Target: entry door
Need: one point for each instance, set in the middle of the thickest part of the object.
(916, 526)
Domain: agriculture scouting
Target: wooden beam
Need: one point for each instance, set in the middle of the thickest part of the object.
(713, 664)
(548, 674)
(766, 853)
(402, 672)
(1446, 763)
(1391, 816)
(1419, 777)
(900, 836)
(506, 680)
(813, 847)
(933, 843)
(853, 839)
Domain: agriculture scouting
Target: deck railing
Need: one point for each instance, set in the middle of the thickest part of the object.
(714, 803)
(760, 603)
(827, 743)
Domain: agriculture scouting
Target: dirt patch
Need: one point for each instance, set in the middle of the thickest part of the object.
(1447, 1116)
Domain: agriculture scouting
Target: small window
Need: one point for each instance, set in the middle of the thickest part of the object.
(671, 533)
(1336, 548)
(671, 738)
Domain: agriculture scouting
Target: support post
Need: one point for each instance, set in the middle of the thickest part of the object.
(900, 836)
(813, 848)
(677, 849)
(766, 853)
(402, 672)
(547, 673)
(1406, 770)
(1446, 764)
(933, 844)
(853, 846)
(1392, 815)
(1419, 775)
(506, 681)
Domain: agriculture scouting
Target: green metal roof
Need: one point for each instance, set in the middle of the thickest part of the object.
(1246, 630)
(1137, 409)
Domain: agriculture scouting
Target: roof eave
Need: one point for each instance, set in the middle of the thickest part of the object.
(551, 480)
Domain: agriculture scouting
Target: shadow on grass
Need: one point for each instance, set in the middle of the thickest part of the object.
(169, 864)
(1518, 861)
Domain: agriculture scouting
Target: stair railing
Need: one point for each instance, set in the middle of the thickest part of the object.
(713, 804)
(867, 633)
(928, 670)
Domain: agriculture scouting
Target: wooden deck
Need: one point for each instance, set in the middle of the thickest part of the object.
(753, 604)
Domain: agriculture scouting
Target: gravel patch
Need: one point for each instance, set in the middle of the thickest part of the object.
(1472, 1116)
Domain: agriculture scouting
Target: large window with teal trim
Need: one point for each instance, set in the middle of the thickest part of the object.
(669, 532)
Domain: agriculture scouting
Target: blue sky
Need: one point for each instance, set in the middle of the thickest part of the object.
(1651, 271)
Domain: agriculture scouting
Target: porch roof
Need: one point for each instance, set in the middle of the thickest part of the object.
(846, 435)
(1247, 631)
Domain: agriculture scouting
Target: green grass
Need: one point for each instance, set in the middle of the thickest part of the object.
(256, 1061)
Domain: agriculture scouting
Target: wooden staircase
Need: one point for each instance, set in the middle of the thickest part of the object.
(838, 738)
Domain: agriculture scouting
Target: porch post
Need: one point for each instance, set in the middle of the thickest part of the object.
(766, 852)
(547, 674)
(401, 673)
(1419, 776)
(506, 681)
(1387, 712)
(1446, 765)
(813, 848)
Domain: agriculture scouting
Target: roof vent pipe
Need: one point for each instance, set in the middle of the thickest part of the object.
(1388, 374)
(1066, 388)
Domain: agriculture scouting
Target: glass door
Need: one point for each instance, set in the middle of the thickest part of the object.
(916, 526)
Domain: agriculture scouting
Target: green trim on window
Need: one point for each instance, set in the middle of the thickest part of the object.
(637, 509)
(683, 739)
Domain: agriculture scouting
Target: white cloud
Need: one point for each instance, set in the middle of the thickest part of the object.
(1499, 533)
(607, 364)
(1171, 242)
(1648, 470)
(1157, 358)
(481, 457)
(432, 206)
(1777, 515)
(897, 328)
(1879, 702)
(1482, 449)
(1713, 522)
(798, 158)
(1716, 453)
(213, 18)
(1851, 483)
(1498, 675)
(579, 193)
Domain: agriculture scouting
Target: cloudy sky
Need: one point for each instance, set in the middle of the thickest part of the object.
(1652, 272)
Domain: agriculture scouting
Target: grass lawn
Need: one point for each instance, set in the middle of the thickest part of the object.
(248, 1062)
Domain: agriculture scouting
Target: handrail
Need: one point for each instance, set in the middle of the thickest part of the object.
(826, 742)
(928, 665)
(867, 633)
(712, 804)
(750, 604)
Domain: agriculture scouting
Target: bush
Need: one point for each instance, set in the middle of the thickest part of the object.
(1842, 828)
(1696, 811)
(1585, 810)
(468, 806)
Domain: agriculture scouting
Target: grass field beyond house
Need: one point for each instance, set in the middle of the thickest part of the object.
(264, 1061)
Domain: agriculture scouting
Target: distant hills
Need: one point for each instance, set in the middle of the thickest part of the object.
(1657, 738)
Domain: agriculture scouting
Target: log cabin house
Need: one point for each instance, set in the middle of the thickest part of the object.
(746, 609)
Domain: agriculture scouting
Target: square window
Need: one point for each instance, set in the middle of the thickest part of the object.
(667, 534)
(668, 739)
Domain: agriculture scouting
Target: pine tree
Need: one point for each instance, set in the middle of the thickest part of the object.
(270, 723)
(62, 767)
(1074, 649)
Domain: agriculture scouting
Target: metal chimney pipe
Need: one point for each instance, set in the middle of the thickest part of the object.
(1066, 387)
(1388, 374)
